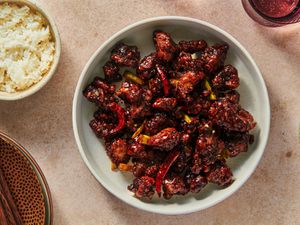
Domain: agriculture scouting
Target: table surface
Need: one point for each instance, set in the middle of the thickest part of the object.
(42, 122)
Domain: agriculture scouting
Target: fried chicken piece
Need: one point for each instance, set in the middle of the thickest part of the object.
(185, 62)
(130, 92)
(108, 123)
(158, 122)
(100, 92)
(101, 128)
(174, 185)
(156, 87)
(195, 182)
(198, 105)
(214, 57)
(105, 116)
(117, 151)
(192, 46)
(103, 123)
(139, 112)
(136, 149)
(165, 140)
(209, 148)
(143, 187)
(125, 55)
(148, 62)
(138, 169)
(188, 81)
(165, 46)
(152, 170)
(146, 68)
(231, 116)
(111, 72)
(236, 142)
(165, 104)
(142, 167)
(220, 174)
(233, 96)
(226, 79)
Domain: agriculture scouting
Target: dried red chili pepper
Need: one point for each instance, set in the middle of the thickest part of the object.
(116, 108)
(164, 168)
(164, 79)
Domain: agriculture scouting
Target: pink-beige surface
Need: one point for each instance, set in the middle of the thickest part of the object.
(42, 122)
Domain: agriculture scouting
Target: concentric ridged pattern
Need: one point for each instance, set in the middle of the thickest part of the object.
(23, 184)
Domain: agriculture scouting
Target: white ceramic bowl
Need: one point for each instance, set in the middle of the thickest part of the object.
(53, 28)
(254, 98)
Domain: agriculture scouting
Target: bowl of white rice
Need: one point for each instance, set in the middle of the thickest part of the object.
(29, 48)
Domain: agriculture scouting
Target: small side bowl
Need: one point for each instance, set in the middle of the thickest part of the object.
(53, 28)
(254, 98)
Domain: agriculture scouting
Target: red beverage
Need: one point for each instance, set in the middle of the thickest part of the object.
(275, 8)
(273, 12)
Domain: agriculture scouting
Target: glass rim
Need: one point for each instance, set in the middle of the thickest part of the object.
(263, 19)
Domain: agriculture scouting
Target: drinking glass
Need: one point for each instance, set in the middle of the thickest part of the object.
(273, 13)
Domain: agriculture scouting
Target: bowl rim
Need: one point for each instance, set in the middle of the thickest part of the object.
(33, 4)
(41, 177)
(263, 140)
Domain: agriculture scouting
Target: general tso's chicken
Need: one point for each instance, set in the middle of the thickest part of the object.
(165, 140)
(220, 174)
(188, 82)
(100, 92)
(125, 55)
(226, 79)
(231, 116)
(175, 118)
(146, 68)
(192, 46)
(111, 72)
(158, 122)
(165, 46)
(130, 92)
(165, 104)
(214, 57)
(117, 151)
(143, 187)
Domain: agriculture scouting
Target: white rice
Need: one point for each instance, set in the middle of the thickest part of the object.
(26, 47)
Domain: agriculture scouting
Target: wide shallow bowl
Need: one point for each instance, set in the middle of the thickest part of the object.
(254, 98)
(35, 6)
(26, 182)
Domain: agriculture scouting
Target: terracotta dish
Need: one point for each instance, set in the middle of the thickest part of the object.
(26, 182)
